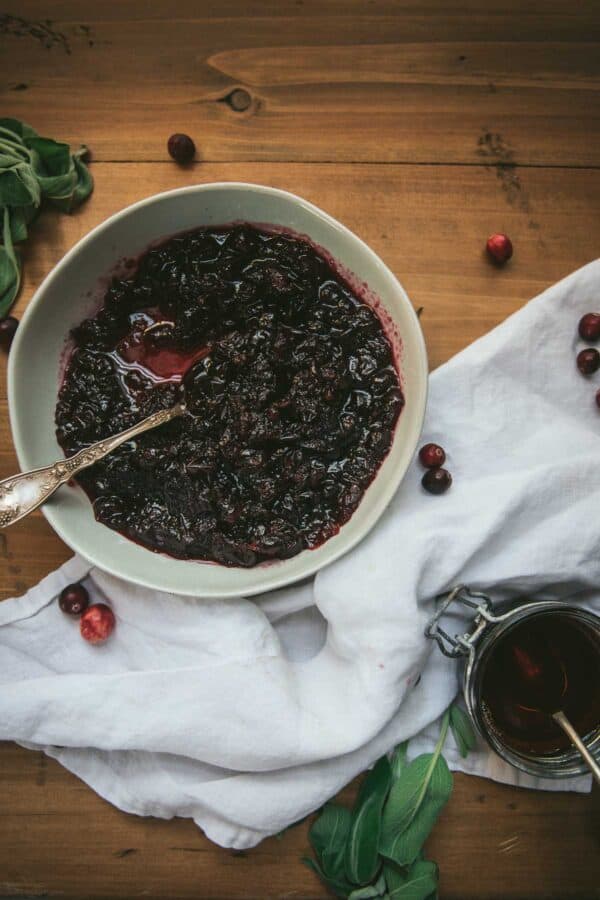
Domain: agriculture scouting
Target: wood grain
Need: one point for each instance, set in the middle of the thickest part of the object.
(423, 127)
(411, 84)
(58, 839)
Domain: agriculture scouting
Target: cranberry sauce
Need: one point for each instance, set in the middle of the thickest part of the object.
(291, 390)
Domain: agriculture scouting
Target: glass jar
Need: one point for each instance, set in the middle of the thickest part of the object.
(473, 650)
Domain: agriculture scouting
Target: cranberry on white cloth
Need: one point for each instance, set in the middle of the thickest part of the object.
(247, 715)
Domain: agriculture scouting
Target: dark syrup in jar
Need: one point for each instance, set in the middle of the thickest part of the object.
(543, 664)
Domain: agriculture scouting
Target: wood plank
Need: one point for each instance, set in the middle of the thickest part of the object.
(58, 839)
(340, 81)
(554, 64)
(429, 223)
(539, 19)
(370, 88)
(411, 123)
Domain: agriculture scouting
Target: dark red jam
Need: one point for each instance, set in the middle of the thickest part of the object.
(291, 389)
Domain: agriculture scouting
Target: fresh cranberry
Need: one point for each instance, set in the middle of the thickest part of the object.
(589, 327)
(432, 455)
(181, 148)
(97, 623)
(8, 329)
(74, 599)
(588, 361)
(436, 481)
(499, 247)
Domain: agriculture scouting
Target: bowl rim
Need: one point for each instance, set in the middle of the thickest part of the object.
(274, 582)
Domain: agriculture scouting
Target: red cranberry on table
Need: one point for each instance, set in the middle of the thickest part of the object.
(588, 361)
(432, 455)
(8, 329)
(436, 481)
(181, 148)
(598, 399)
(499, 247)
(74, 599)
(589, 327)
(97, 623)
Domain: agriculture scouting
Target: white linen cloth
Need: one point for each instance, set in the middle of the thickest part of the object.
(247, 715)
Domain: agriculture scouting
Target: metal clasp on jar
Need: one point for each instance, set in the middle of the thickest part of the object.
(476, 602)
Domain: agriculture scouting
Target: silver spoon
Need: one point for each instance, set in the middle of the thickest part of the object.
(22, 494)
(548, 676)
(560, 719)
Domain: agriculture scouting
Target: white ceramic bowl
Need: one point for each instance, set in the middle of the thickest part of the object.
(63, 300)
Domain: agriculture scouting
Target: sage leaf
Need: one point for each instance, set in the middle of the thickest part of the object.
(407, 845)
(408, 791)
(18, 189)
(364, 893)
(54, 156)
(396, 808)
(10, 270)
(418, 882)
(32, 168)
(462, 730)
(405, 797)
(399, 761)
(339, 886)
(328, 836)
(8, 157)
(370, 891)
(59, 188)
(18, 224)
(11, 142)
(17, 151)
(362, 854)
(85, 182)
(410, 820)
(17, 128)
(27, 177)
(10, 136)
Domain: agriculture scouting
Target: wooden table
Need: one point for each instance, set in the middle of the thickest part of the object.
(422, 126)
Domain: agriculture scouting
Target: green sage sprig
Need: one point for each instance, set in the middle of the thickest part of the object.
(33, 169)
(376, 849)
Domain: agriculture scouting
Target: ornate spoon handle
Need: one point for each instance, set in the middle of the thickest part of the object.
(560, 719)
(21, 494)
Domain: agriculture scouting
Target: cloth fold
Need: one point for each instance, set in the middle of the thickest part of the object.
(246, 715)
